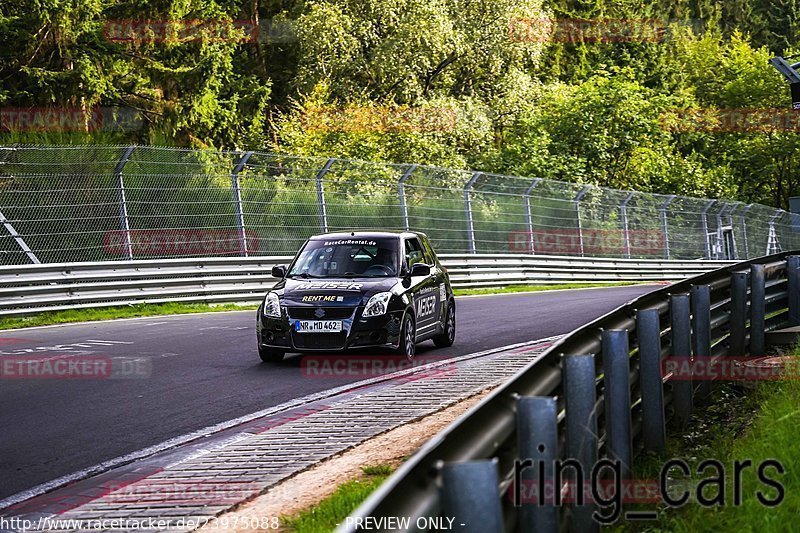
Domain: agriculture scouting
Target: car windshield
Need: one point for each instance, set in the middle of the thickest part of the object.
(342, 258)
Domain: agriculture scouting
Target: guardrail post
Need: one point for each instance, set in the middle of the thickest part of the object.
(704, 224)
(468, 206)
(743, 222)
(681, 332)
(738, 326)
(701, 333)
(758, 288)
(470, 496)
(580, 405)
(648, 333)
(124, 223)
(323, 210)
(528, 213)
(237, 201)
(617, 398)
(577, 202)
(537, 440)
(401, 193)
(663, 213)
(793, 288)
(623, 211)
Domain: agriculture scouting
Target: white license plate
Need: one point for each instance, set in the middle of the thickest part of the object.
(318, 326)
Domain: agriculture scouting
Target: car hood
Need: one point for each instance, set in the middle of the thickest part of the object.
(333, 291)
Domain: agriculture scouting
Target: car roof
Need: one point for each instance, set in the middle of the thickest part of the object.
(367, 235)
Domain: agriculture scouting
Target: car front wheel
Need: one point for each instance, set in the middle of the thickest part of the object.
(407, 346)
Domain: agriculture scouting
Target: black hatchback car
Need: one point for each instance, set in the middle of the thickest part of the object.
(358, 290)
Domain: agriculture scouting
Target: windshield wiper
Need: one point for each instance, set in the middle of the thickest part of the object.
(304, 275)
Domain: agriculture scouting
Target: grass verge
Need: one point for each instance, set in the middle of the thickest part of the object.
(744, 423)
(132, 311)
(539, 288)
(330, 512)
(108, 313)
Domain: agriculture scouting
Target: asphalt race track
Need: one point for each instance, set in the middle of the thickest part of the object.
(203, 370)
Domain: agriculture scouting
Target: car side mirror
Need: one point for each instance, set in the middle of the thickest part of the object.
(279, 271)
(419, 269)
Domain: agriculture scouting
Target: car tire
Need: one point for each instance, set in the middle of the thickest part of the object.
(448, 336)
(270, 355)
(407, 346)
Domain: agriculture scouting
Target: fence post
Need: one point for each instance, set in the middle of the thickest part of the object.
(577, 202)
(720, 237)
(237, 200)
(537, 440)
(793, 288)
(663, 213)
(773, 244)
(704, 224)
(528, 214)
(323, 210)
(682, 388)
(734, 207)
(701, 333)
(617, 398)
(738, 321)
(580, 404)
(758, 286)
(124, 223)
(468, 205)
(743, 221)
(470, 495)
(648, 336)
(401, 193)
(623, 210)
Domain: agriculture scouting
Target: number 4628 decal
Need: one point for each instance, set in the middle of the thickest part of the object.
(425, 306)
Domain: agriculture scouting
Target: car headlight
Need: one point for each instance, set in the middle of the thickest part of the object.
(272, 305)
(377, 304)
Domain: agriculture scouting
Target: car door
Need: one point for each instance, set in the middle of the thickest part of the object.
(424, 291)
(439, 278)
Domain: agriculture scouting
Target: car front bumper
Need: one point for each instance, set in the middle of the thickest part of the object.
(374, 332)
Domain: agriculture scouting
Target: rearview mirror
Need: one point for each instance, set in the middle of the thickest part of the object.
(279, 271)
(419, 269)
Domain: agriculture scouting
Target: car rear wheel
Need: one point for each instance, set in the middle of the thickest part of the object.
(407, 346)
(448, 336)
(270, 355)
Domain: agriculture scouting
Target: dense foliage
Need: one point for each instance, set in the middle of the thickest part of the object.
(507, 86)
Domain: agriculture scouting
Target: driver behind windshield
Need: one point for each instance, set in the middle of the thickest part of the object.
(347, 258)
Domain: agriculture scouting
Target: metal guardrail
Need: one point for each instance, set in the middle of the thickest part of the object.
(30, 289)
(598, 392)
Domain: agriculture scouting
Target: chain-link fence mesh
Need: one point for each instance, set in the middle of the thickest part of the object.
(98, 203)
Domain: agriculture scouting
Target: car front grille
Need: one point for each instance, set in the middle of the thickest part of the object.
(311, 313)
(319, 341)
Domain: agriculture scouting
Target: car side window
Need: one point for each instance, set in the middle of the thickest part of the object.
(413, 252)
